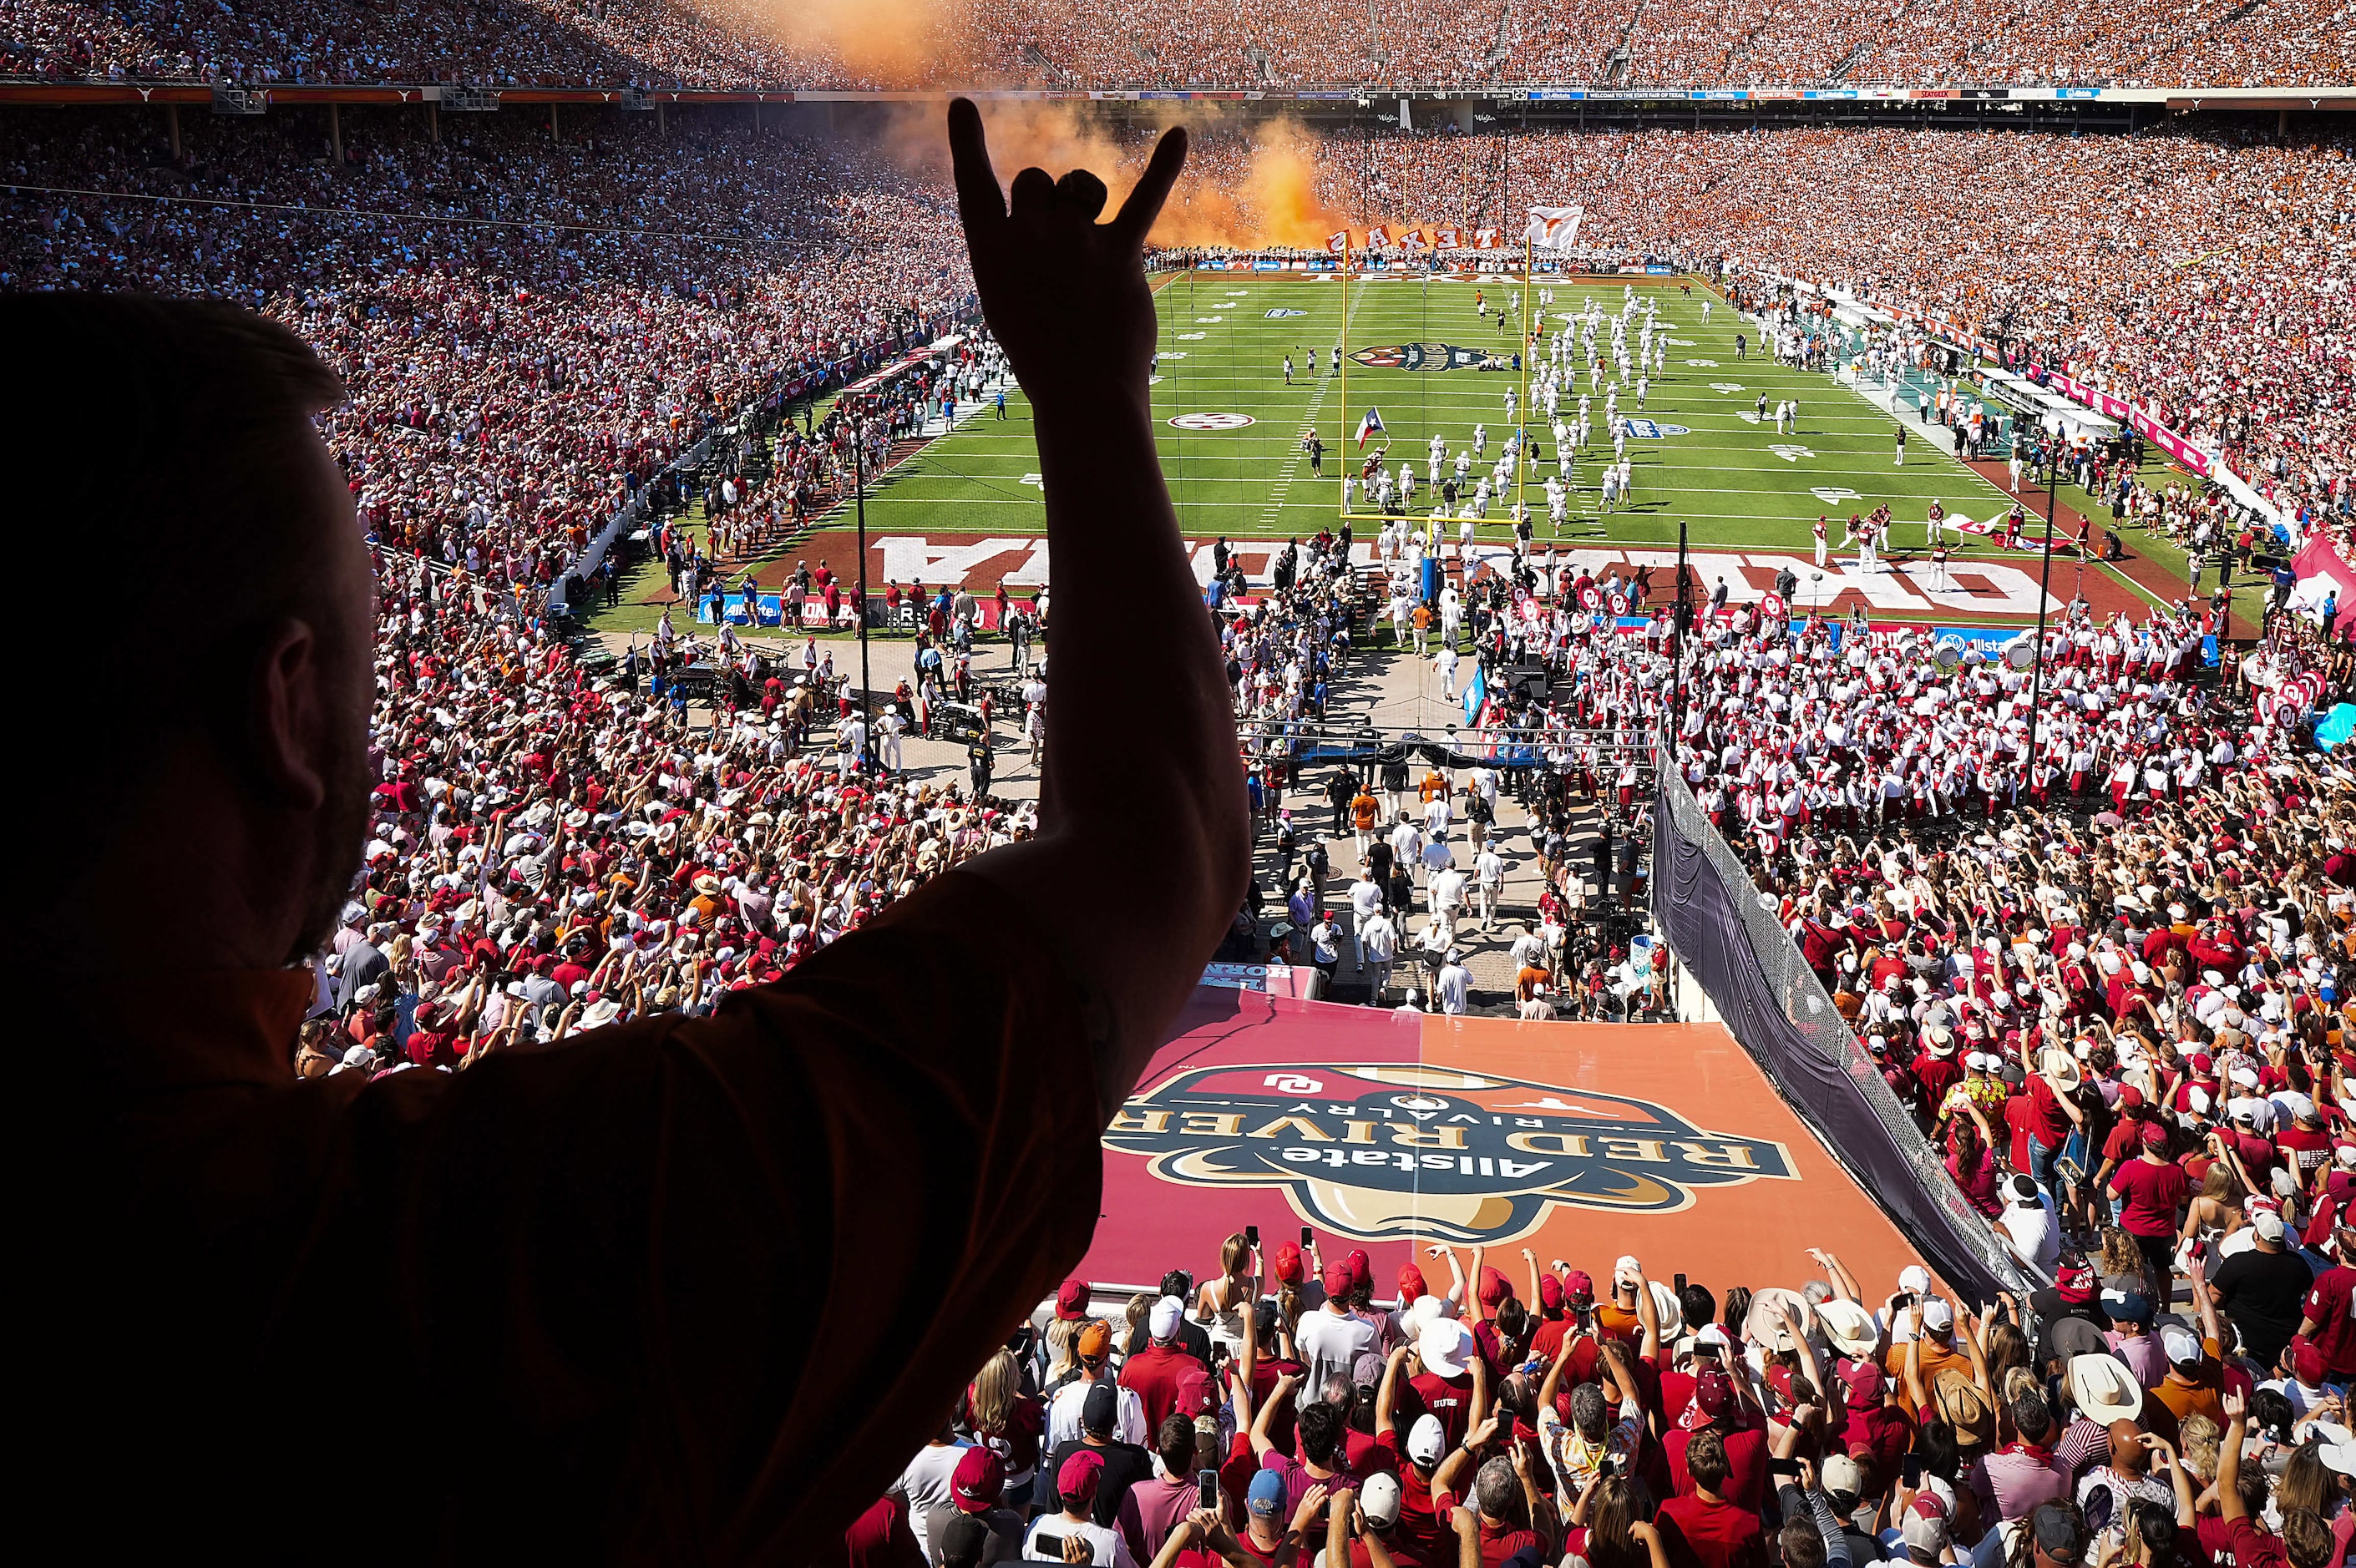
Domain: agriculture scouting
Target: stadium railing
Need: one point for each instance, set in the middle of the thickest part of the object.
(1705, 902)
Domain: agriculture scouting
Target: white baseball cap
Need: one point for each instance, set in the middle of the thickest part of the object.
(1378, 1499)
(1427, 1440)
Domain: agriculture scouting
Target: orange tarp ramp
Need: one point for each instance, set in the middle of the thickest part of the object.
(1394, 1131)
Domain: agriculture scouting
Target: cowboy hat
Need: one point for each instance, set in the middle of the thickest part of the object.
(1672, 1314)
(1963, 1406)
(2057, 1064)
(1765, 1327)
(1849, 1326)
(2104, 1390)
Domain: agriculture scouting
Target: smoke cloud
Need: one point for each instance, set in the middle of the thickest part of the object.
(1247, 183)
(890, 42)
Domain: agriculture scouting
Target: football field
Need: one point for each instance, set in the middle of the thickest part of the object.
(1424, 355)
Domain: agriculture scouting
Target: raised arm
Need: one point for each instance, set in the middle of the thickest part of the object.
(1067, 297)
(1387, 1396)
(1276, 1396)
(1455, 1271)
(1648, 1318)
(1844, 1285)
(2229, 1458)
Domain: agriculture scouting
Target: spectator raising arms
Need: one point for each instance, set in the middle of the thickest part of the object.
(677, 1288)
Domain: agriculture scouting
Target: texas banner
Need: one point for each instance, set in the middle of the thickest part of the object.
(1447, 238)
(1553, 228)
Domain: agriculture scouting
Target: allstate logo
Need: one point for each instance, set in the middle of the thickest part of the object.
(1387, 1151)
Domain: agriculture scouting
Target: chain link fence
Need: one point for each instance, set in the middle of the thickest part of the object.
(1706, 902)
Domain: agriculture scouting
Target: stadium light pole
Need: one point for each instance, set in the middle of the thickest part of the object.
(859, 506)
(1677, 665)
(2044, 587)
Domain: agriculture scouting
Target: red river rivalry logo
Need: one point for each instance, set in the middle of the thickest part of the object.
(1388, 1151)
(1423, 356)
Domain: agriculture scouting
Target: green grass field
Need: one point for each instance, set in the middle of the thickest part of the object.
(1735, 482)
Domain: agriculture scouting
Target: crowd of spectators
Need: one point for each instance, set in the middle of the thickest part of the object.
(1236, 43)
(2209, 288)
(512, 381)
(517, 366)
(1286, 1406)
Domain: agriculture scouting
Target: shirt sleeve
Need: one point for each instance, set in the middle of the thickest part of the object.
(724, 1274)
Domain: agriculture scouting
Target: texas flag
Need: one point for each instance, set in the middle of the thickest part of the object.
(1371, 425)
(1485, 238)
(1338, 241)
(1446, 238)
(1378, 238)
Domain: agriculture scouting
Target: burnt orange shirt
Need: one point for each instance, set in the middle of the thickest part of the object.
(677, 1290)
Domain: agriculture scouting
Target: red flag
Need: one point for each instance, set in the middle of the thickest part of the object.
(1338, 241)
(1447, 238)
(1485, 238)
(1378, 238)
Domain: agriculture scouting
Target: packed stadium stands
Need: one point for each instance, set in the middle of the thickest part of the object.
(1256, 44)
(532, 321)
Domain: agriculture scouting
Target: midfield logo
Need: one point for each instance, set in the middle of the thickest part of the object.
(1419, 356)
(1385, 1151)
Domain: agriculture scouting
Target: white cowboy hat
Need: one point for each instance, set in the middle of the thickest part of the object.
(1849, 1326)
(2104, 1390)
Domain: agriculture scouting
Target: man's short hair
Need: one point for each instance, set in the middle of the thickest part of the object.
(1496, 1486)
(205, 496)
(1588, 1412)
(1706, 1460)
(1320, 1432)
(1174, 1441)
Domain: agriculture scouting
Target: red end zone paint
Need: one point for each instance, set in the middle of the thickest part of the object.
(1391, 1132)
(1977, 588)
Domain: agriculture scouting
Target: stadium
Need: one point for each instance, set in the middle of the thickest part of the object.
(1771, 981)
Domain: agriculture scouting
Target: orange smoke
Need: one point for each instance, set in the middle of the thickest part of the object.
(890, 40)
(1245, 185)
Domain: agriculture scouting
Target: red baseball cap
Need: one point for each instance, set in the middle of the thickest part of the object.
(2308, 1362)
(1362, 1267)
(1550, 1294)
(1072, 1301)
(979, 1479)
(1411, 1288)
(1286, 1265)
(1337, 1278)
(2130, 1097)
(1077, 1480)
(1493, 1290)
(1578, 1289)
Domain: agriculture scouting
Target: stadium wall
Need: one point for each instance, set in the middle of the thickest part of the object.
(1777, 1011)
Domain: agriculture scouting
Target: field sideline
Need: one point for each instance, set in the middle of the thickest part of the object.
(1739, 485)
